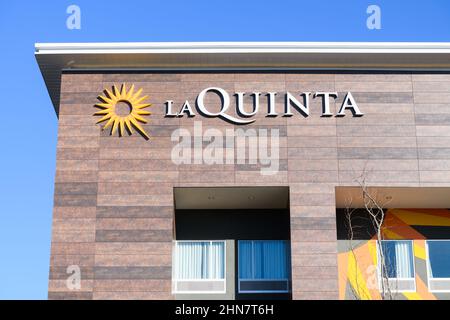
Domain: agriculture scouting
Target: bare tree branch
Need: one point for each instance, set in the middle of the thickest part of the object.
(376, 213)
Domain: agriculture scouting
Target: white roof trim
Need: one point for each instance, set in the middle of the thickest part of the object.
(242, 47)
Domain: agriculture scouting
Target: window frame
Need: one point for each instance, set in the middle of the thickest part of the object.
(175, 280)
(428, 266)
(396, 279)
(262, 280)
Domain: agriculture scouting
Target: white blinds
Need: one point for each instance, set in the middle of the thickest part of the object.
(398, 258)
(403, 258)
(196, 260)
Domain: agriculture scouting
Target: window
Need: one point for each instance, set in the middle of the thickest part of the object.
(398, 273)
(263, 266)
(438, 265)
(199, 267)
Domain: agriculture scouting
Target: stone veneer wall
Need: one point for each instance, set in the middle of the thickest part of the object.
(113, 206)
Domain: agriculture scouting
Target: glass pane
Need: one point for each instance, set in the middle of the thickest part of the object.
(263, 259)
(258, 260)
(398, 258)
(388, 248)
(245, 260)
(199, 260)
(274, 260)
(439, 256)
(217, 260)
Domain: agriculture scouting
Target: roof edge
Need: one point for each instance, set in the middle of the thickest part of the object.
(54, 58)
(243, 47)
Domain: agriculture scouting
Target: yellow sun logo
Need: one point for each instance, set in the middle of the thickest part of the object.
(134, 103)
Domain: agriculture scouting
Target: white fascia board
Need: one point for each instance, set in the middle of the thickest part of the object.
(242, 47)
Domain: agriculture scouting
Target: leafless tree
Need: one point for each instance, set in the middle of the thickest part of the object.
(349, 210)
(376, 215)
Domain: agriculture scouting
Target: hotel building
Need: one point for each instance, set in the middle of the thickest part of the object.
(154, 200)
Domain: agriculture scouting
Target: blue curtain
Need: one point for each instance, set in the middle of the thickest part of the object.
(263, 259)
(398, 258)
(439, 256)
(245, 259)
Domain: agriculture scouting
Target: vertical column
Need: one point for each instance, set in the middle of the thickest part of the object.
(313, 241)
(135, 206)
(432, 124)
(75, 199)
(133, 256)
(313, 174)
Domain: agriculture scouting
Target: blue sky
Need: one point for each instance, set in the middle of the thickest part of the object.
(29, 124)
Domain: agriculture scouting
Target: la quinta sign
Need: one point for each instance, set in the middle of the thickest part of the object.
(290, 102)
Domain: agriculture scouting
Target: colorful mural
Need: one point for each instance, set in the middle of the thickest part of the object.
(357, 258)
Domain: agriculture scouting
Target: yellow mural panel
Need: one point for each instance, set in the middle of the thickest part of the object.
(358, 266)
